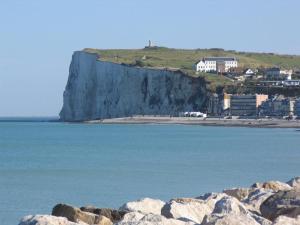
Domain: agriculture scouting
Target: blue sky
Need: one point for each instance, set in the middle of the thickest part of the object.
(39, 36)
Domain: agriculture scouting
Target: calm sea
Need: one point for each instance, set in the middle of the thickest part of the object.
(45, 163)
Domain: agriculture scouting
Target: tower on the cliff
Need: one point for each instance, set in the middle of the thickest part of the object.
(150, 45)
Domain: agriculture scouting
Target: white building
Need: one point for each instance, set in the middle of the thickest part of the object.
(249, 72)
(216, 64)
(287, 74)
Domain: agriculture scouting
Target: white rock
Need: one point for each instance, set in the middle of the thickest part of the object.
(145, 206)
(191, 209)
(283, 220)
(294, 183)
(46, 220)
(135, 218)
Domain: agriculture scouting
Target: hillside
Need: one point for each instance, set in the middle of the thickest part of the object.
(184, 59)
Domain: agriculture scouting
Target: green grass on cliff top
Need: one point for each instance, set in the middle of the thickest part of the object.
(184, 59)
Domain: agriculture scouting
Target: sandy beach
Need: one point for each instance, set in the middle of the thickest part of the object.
(267, 123)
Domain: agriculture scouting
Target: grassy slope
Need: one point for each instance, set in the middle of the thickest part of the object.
(184, 59)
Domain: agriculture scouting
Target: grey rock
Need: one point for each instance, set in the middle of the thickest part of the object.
(294, 183)
(229, 219)
(228, 205)
(256, 198)
(286, 203)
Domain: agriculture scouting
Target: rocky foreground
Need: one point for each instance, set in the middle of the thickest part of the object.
(269, 203)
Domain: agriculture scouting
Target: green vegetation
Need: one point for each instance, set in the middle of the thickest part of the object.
(184, 59)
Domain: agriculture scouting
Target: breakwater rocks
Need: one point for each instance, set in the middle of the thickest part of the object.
(268, 203)
(98, 90)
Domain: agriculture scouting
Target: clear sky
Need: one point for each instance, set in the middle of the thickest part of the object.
(37, 37)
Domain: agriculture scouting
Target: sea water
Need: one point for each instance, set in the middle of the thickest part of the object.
(45, 163)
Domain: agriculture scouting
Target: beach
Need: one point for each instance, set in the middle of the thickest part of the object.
(264, 123)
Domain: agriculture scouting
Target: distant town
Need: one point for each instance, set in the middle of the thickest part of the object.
(229, 67)
(250, 105)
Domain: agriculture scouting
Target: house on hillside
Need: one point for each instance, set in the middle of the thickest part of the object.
(249, 72)
(287, 74)
(216, 64)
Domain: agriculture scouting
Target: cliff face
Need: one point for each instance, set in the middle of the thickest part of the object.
(98, 90)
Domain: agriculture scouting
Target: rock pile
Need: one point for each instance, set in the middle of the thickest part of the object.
(269, 203)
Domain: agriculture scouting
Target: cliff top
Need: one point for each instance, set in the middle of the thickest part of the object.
(184, 59)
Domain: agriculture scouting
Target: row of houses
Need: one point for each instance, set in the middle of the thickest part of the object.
(253, 105)
(229, 66)
(216, 64)
(278, 106)
(279, 83)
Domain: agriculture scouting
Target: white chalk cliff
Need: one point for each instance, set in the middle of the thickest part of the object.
(97, 90)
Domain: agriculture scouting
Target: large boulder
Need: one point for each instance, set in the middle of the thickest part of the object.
(229, 210)
(145, 206)
(136, 218)
(283, 220)
(285, 203)
(273, 185)
(74, 214)
(228, 204)
(191, 209)
(256, 198)
(112, 214)
(188, 209)
(294, 183)
(47, 220)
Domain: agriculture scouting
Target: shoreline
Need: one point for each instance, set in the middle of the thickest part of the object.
(255, 123)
